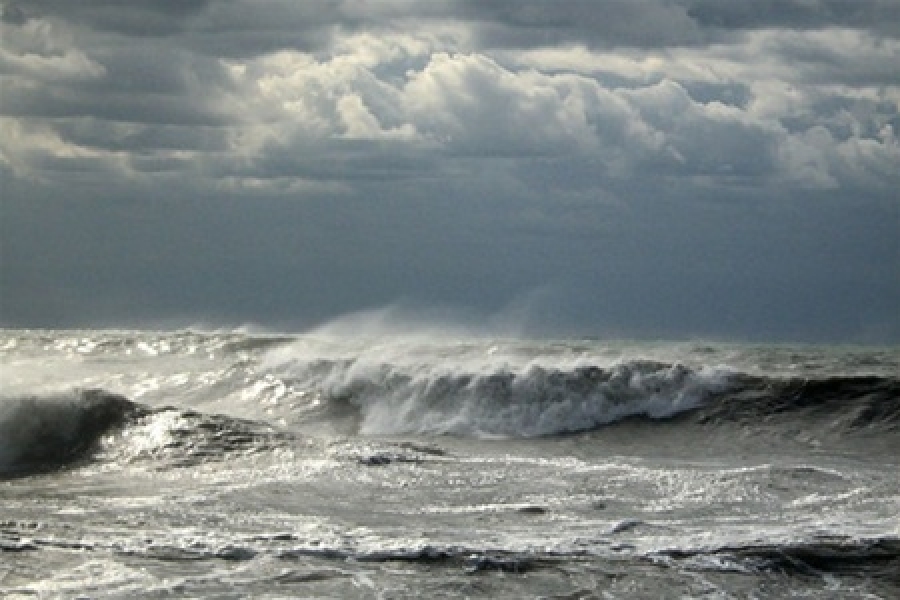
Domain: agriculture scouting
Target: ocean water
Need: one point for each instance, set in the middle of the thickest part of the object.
(346, 463)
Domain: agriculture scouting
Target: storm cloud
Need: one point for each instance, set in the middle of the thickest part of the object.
(651, 168)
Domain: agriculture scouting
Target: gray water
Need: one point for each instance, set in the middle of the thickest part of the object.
(444, 464)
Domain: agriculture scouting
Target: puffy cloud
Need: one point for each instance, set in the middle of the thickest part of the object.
(683, 112)
(817, 158)
(468, 104)
(472, 105)
(760, 100)
(707, 138)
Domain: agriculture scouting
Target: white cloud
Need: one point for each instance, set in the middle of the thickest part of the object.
(472, 105)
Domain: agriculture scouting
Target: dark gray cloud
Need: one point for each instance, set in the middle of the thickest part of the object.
(535, 23)
(650, 167)
(882, 15)
(258, 27)
(657, 24)
(12, 14)
(651, 267)
(134, 18)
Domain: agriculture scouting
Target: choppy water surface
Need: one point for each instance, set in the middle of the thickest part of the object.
(439, 465)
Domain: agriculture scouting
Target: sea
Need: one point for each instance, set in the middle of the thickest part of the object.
(434, 463)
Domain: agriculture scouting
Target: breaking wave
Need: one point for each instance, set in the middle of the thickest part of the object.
(279, 393)
(43, 432)
(537, 401)
(382, 398)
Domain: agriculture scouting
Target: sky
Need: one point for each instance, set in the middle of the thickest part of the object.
(641, 168)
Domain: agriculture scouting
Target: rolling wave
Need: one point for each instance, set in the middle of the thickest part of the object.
(538, 401)
(44, 432)
(844, 403)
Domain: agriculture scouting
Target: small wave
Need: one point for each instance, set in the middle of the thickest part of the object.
(184, 438)
(470, 559)
(44, 432)
(876, 558)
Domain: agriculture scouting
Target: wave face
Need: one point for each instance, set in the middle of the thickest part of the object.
(845, 403)
(877, 559)
(39, 433)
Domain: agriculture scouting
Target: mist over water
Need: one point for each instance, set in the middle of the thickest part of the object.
(379, 457)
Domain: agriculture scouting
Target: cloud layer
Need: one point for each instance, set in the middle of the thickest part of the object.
(530, 122)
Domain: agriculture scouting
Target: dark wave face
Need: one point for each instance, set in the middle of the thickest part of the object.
(877, 559)
(42, 433)
(844, 403)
